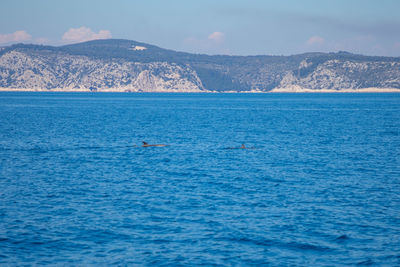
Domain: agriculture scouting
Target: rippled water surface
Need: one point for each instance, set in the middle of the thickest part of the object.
(320, 186)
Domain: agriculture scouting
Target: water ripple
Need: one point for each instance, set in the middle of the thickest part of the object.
(320, 188)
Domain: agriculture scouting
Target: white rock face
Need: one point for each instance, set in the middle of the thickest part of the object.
(305, 64)
(80, 73)
(123, 65)
(138, 48)
(341, 74)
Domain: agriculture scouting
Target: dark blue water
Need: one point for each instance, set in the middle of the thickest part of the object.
(321, 185)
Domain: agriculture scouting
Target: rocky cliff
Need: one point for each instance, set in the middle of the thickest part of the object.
(47, 71)
(123, 65)
(342, 74)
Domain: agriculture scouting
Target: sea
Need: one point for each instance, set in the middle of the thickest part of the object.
(318, 183)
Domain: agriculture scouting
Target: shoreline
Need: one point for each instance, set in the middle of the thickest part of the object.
(275, 90)
(361, 90)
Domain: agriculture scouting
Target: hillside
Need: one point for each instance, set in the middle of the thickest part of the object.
(123, 65)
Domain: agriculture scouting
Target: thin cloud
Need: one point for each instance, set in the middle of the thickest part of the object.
(42, 41)
(218, 37)
(377, 28)
(18, 36)
(212, 44)
(359, 44)
(315, 40)
(83, 34)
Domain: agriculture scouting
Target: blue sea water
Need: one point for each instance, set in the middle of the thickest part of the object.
(320, 186)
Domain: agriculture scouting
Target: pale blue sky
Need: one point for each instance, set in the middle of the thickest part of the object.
(276, 27)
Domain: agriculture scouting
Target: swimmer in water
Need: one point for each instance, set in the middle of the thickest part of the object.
(240, 147)
(145, 144)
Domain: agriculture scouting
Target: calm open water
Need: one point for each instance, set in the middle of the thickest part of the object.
(321, 185)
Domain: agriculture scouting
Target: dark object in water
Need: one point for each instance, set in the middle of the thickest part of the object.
(145, 144)
(241, 147)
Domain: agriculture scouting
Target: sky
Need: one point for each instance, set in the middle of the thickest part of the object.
(232, 27)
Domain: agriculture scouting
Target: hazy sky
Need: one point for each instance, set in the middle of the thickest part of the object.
(250, 27)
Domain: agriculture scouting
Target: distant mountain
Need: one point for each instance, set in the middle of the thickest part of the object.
(123, 65)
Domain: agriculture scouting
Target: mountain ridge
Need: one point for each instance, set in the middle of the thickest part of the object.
(125, 65)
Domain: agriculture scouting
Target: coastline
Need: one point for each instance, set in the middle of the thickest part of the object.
(85, 90)
(360, 90)
(275, 90)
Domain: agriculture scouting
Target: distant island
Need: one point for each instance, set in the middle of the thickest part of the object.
(114, 65)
